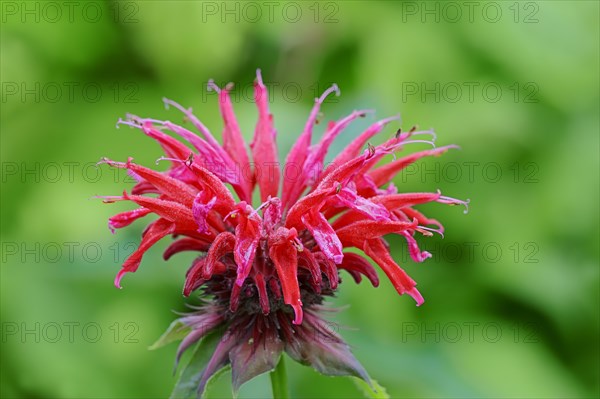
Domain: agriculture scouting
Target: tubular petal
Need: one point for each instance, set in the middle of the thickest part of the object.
(264, 145)
(375, 249)
(285, 258)
(157, 230)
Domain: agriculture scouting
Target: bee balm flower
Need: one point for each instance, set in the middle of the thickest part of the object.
(264, 270)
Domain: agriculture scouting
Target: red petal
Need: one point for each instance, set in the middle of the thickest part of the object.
(233, 142)
(225, 202)
(329, 268)
(201, 209)
(313, 166)
(356, 234)
(377, 251)
(195, 121)
(157, 230)
(214, 158)
(124, 219)
(353, 149)
(367, 207)
(395, 201)
(144, 187)
(413, 248)
(264, 146)
(312, 201)
(221, 246)
(193, 278)
(324, 235)
(173, 148)
(168, 186)
(295, 160)
(422, 219)
(170, 210)
(357, 264)
(263, 297)
(285, 258)
(313, 267)
(387, 172)
(186, 244)
(247, 234)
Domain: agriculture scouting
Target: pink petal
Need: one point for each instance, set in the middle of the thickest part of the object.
(200, 209)
(313, 166)
(413, 248)
(324, 235)
(354, 148)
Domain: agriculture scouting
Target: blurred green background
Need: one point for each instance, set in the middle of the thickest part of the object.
(512, 290)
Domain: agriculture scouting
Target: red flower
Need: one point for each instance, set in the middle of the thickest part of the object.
(260, 264)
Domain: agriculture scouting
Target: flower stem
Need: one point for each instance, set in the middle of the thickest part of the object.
(279, 381)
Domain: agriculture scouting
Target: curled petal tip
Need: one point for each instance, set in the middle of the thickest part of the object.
(259, 78)
(414, 292)
(453, 201)
(118, 279)
(298, 313)
(430, 142)
(102, 161)
(334, 88)
(212, 86)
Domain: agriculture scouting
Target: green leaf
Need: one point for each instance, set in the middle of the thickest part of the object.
(176, 332)
(373, 391)
(214, 378)
(189, 379)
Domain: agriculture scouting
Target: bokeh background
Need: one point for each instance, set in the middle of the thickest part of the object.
(511, 291)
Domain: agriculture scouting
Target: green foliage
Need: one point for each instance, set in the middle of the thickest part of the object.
(373, 391)
(176, 332)
(527, 317)
(187, 384)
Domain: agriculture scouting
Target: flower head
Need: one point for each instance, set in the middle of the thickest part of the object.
(265, 269)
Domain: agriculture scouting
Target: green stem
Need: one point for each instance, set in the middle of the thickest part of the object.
(279, 381)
